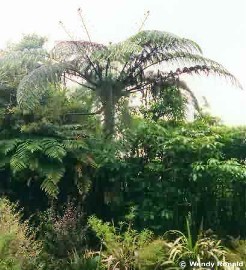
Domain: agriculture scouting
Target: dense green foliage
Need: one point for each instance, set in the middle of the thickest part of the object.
(167, 171)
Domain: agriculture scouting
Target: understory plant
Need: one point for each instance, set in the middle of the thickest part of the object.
(206, 248)
(18, 248)
(237, 252)
(63, 232)
(86, 261)
(124, 248)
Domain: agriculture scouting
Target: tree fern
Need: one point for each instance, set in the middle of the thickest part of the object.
(119, 69)
(45, 157)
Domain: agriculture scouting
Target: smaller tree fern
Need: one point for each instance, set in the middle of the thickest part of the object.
(44, 159)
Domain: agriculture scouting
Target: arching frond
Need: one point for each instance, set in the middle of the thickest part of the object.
(165, 41)
(53, 175)
(14, 65)
(71, 50)
(34, 87)
(73, 145)
(120, 52)
(53, 149)
(176, 64)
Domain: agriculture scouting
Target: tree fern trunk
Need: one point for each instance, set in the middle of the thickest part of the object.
(109, 102)
(109, 119)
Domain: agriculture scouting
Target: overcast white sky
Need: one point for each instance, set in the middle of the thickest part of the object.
(218, 26)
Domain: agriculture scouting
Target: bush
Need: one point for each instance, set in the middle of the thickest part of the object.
(18, 249)
(126, 249)
(154, 255)
(237, 252)
(63, 233)
(206, 248)
(86, 261)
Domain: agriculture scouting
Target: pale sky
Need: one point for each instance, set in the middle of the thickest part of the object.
(218, 26)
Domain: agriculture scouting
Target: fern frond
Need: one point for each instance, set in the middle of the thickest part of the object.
(7, 146)
(70, 50)
(161, 40)
(17, 164)
(185, 63)
(71, 145)
(14, 65)
(20, 160)
(35, 86)
(120, 52)
(53, 174)
(53, 149)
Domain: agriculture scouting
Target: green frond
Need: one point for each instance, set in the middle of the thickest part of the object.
(53, 149)
(16, 64)
(164, 41)
(35, 86)
(185, 63)
(24, 155)
(6, 146)
(20, 160)
(17, 164)
(120, 52)
(50, 187)
(71, 50)
(23, 59)
(33, 146)
(71, 145)
(43, 157)
(52, 178)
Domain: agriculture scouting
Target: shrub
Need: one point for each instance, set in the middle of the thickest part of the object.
(125, 248)
(63, 233)
(85, 261)
(18, 249)
(237, 252)
(154, 255)
(205, 248)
